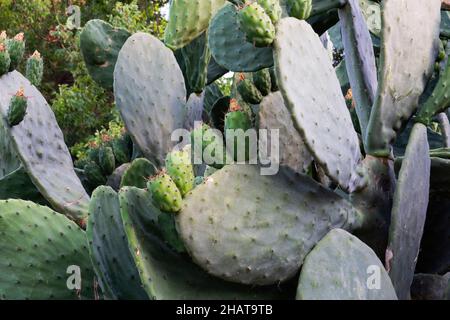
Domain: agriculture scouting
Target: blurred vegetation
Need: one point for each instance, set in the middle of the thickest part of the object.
(82, 108)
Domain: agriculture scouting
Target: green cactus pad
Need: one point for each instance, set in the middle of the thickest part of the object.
(100, 44)
(94, 174)
(108, 247)
(138, 173)
(258, 235)
(165, 193)
(439, 100)
(313, 95)
(403, 72)
(180, 169)
(371, 11)
(39, 142)
(249, 92)
(9, 159)
(5, 60)
(256, 24)
(17, 109)
(409, 211)
(212, 94)
(262, 81)
(339, 268)
(16, 50)
(196, 57)
(194, 110)
(38, 246)
(115, 179)
(300, 9)
(121, 149)
(107, 160)
(150, 94)
(215, 71)
(188, 19)
(359, 60)
(273, 114)
(35, 69)
(17, 185)
(166, 274)
(229, 47)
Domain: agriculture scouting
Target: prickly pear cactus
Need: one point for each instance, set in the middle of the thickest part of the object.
(409, 212)
(150, 94)
(44, 254)
(188, 19)
(339, 268)
(17, 108)
(312, 93)
(39, 142)
(35, 68)
(165, 192)
(257, 25)
(398, 95)
(229, 46)
(100, 44)
(108, 247)
(258, 235)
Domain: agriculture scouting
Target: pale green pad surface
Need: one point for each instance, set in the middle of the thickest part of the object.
(188, 19)
(166, 274)
(337, 269)
(248, 228)
(37, 246)
(150, 94)
(403, 72)
(409, 211)
(39, 142)
(273, 115)
(313, 95)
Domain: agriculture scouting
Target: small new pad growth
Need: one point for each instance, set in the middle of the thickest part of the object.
(17, 108)
(5, 59)
(300, 9)
(35, 68)
(180, 169)
(16, 49)
(257, 25)
(165, 193)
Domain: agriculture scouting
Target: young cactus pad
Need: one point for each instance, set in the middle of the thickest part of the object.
(164, 273)
(38, 140)
(229, 46)
(188, 19)
(338, 269)
(313, 95)
(403, 72)
(40, 250)
(248, 228)
(150, 94)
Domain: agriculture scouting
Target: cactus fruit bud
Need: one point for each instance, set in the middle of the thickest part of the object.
(16, 49)
(257, 25)
(165, 193)
(249, 92)
(180, 169)
(237, 120)
(300, 9)
(262, 81)
(35, 68)
(5, 60)
(234, 105)
(17, 108)
(106, 160)
(272, 8)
